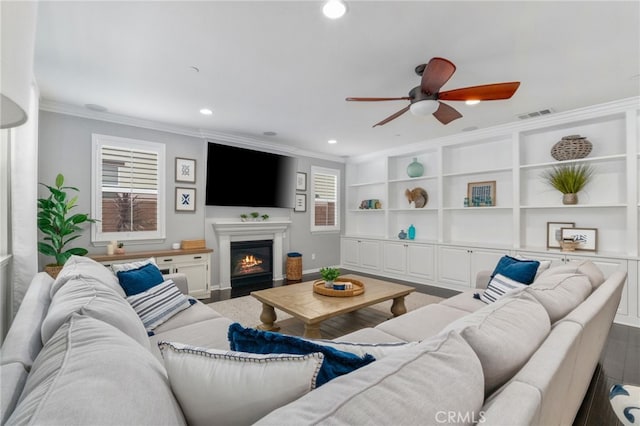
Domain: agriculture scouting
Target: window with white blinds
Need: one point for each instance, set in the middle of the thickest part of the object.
(325, 196)
(128, 194)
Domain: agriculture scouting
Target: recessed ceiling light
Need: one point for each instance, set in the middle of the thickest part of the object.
(269, 133)
(95, 107)
(334, 9)
(206, 111)
(472, 102)
(332, 141)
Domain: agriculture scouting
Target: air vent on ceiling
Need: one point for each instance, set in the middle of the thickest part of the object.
(535, 114)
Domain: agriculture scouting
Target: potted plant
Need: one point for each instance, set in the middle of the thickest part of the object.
(120, 248)
(265, 216)
(569, 180)
(243, 217)
(255, 215)
(329, 275)
(59, 226)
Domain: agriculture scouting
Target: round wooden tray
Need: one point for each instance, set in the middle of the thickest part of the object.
(358, 288)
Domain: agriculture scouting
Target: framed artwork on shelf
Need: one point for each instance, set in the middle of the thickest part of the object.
(301, 181)
(554, 233)
(185, 170)
(301, 203)
(481, 194)
(586, 238)
(185, 199)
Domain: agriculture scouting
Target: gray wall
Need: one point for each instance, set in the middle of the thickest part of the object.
(65, 147)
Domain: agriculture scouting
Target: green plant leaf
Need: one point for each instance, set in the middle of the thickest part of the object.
(59, 180)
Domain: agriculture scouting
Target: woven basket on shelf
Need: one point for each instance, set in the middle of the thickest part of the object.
(571, 147)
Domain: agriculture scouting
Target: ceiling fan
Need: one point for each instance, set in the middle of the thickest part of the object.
(425, 99)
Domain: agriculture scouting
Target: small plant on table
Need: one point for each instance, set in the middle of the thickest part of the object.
(329, 275)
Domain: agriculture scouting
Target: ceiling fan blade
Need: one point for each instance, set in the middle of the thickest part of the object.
(446, 114)
(487, 92)
(437, 72)
(405, 98)
(393, 116)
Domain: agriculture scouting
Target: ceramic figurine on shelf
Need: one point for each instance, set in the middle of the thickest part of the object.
(402, 235)
(418, 196)
(412, 232)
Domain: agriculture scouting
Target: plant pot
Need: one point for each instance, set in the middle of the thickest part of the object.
(328, 284)
(569, 199)
(53, 270)
(119, 250)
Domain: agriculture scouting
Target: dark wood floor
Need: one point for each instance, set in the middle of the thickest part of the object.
(619, 361)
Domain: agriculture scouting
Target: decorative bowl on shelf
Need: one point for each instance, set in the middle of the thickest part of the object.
(571, 147)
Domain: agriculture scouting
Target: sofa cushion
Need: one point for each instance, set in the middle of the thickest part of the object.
(498, 287)
(504, 334)
(587, 267)
(422, 323)
(560, 293)
(92, 298)
(370, 335)
(376, 350)
(418, 386)
(12, 379)
(523, 271)
(224, 387)
(196, 313)
(212, 333)
(85, 267)
(90, 373)
(136, 281)
(336, 362)
(544, 264)
(157, 304)
(465, 301)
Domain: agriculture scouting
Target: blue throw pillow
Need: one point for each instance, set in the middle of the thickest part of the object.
(336, 362)
(138, 280)
(523, 271)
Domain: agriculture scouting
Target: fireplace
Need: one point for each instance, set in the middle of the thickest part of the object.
(251, 266)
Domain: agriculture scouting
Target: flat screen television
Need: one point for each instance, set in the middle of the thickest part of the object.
(249, 178)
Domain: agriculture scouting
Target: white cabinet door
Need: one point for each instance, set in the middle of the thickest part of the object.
(370, 254)
(483, 260)
(395, 257)
(454, 266)
(350, 252)
(197, 277)
(421, 261)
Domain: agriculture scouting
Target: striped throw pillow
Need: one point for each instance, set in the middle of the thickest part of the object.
(500, 286)
(158, 304)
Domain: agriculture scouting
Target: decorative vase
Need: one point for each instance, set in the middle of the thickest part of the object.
(571, 147)
(569, 198)
(402, 235)
(328, 284)
(412, 232)
(415, 169)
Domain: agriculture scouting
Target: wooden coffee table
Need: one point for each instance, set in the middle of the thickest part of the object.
(300, 301)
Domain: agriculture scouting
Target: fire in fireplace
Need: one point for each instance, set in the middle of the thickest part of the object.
(251, 266)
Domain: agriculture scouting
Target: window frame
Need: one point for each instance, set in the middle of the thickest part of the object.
(97, 236)
(312, 204)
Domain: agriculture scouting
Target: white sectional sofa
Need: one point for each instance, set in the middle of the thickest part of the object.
(76, 354)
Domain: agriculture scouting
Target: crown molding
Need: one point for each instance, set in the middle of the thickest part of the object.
(205, 134)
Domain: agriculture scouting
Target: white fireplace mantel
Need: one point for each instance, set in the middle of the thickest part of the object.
(227, 231)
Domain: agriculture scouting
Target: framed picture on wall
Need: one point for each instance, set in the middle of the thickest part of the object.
(185, 170)
(587, 238)
(185, 199)
(554, 233)
(301, 181)
(301, 203)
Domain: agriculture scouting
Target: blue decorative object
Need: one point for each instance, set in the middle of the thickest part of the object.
(523, 271)
(415, 169)
(338, 286)
(136, 281)
(412, 232)
(402, 235)
(625, 401)
(336, 362)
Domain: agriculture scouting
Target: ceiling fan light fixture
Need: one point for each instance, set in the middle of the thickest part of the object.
(472, 101)
(424, 107)
(334, 9)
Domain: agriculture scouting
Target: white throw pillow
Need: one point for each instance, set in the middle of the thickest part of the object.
(235, 388)
(500, 286)
(544, 265)
(120, 267)
(156, 305)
